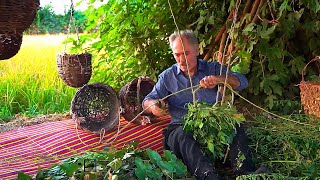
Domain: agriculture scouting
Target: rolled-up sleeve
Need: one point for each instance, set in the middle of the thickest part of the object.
(159, 90)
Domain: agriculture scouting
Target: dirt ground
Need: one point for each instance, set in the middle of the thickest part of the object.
(22, 121)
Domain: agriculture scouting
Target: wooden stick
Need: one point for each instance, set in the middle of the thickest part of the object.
(222, 44)
(218, 37)
(256, 16)
(215, 42)
(254, 8)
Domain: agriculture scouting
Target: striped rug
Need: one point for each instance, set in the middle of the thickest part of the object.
(46, 144)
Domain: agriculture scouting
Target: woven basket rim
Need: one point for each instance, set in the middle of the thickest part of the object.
(123, 95)
(317, 58)
(116, 105)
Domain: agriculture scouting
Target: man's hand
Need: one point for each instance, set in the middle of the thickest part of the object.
(157, 108)
(212, 81)
(158, 111)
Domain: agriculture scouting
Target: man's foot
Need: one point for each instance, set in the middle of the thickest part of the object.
(262, 170)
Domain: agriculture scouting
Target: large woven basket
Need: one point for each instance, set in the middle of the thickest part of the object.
(310, 92)
(131, 97)
(95, 107)
(17, 15)
(9, 45)
(74, 69)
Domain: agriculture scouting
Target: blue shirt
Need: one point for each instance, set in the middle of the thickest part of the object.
(173, 79)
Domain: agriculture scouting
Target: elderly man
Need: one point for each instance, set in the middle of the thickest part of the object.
(185, 50)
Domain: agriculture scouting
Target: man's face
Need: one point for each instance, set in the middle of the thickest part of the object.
(191, 55)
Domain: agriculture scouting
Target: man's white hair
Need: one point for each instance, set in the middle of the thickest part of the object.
(188, 34)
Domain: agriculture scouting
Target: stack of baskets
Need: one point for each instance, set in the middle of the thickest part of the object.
(131, 97)
(310, 92)
(15, 17)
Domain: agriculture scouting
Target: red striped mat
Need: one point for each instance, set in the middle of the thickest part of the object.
(46, 144)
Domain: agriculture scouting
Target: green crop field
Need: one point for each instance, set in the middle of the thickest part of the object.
(30, 83)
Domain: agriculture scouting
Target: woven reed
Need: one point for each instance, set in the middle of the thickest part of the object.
(310, 93)
(74, 69)
(95, 107)
(17, 15)
(131, 97)
(9, 45)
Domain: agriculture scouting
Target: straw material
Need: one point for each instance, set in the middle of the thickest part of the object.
(74, 69)
(131, 97)
(17, 15)
(310, 93)
(9, 45)
(95, 107)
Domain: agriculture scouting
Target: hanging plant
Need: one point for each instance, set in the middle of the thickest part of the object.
(74, 69)
(213, 126)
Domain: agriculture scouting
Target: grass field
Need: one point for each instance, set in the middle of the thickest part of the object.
(30, 84)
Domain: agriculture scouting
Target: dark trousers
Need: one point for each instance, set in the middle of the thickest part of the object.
(185, 147)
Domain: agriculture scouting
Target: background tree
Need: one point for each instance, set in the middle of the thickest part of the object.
(268, 40)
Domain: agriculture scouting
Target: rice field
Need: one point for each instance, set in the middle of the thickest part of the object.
(30, 84)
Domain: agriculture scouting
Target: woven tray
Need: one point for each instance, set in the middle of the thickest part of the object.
(74, 69)
(9, 45)
(131, 97)
(95, 107)
(17, 15)
(310, 92)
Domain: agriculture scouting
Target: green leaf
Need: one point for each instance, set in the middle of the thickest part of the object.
(115, 164)
(169, 156)
(140, 173)
(154, 156)
(181, 169)
(166, 166)
(69, 168)
(40, 175)
(249, 28)
(297, 64)
(265, 33)
(210, 146)
(23, 176)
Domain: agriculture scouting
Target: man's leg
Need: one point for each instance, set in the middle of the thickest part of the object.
(185, 147)
(239, 156)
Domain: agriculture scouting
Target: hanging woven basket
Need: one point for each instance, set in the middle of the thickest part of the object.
(9, 45)
(74, 69)
(17, 15)
(131, 97)
(310, 92)
(95, 107)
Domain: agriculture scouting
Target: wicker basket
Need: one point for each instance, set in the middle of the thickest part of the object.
(131, 97)
(310, 93)
(95, 107)
(17, 15)
(9, 45)
(74, 69)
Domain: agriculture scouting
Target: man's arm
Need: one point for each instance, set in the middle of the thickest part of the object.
(151, 103)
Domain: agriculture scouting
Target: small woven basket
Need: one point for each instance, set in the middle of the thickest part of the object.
(310, 93)
(74, 69)
(17, 15)
(131, 97)
(96, 107)
(9, 45)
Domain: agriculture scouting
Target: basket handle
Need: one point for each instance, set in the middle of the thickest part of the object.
(138, 94)
(317, 58)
